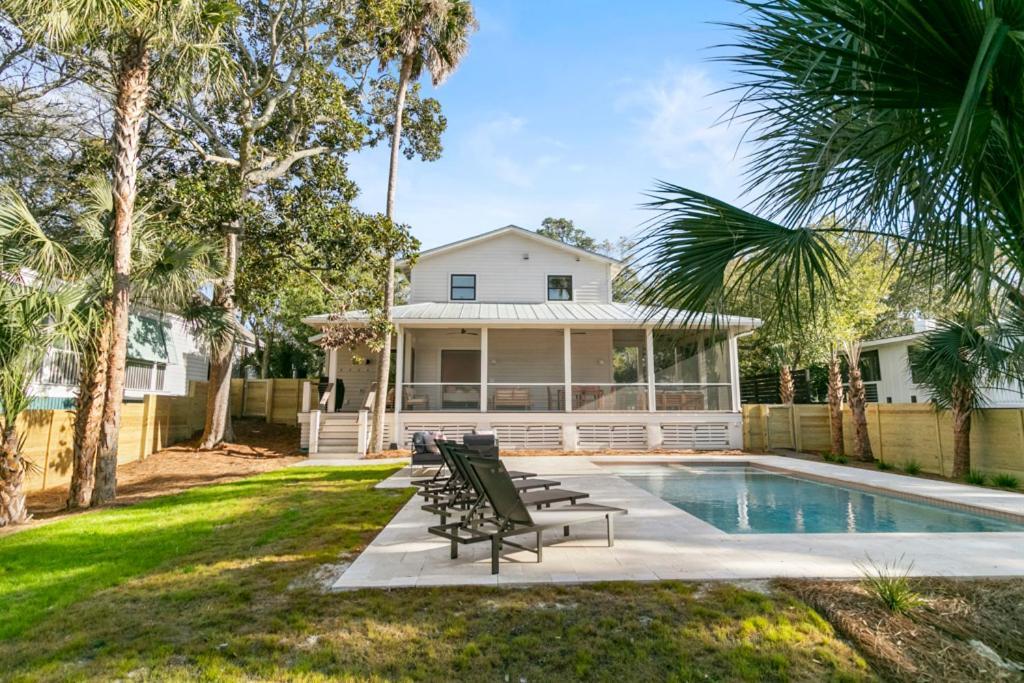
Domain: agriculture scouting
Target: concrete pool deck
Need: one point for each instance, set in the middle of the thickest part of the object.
(658, 541)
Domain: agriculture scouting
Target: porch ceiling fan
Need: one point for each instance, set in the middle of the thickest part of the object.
(465, 331)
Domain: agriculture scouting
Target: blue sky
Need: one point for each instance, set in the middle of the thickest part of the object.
(571, 108)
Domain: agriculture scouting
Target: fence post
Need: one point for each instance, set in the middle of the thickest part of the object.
(765, 422)
(795, 426)
(147, 413)
(268, 402)
(938, 443)
(878, 425)
(314, 432)
(307, 396)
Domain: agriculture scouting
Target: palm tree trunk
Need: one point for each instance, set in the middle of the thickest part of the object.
(858, 409)
(787, 391)
(835, 404)
(12, 478)
(132, 91)
(89, 415)
(384, 357)
(961, 440)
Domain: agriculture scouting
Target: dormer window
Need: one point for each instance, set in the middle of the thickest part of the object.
(559, 287)
(463, 288)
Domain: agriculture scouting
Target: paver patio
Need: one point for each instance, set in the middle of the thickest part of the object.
(657, 541)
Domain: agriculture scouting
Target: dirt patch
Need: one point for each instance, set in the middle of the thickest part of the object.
(259, 447)
(964, 630)
(529, 452)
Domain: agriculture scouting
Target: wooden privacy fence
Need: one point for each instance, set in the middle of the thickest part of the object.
(155, 423)
(899, 432)
(276, 400)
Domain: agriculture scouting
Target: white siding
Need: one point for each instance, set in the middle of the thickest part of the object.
(896, 383)
(423, 359)
(504, 276)
(526, 356)
(357, 375)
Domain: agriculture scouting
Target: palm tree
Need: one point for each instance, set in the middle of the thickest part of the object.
(183, 37)
(36, 312)
(167, 271)
(835, 402)
(431, 34)
(955, 362)
(901, 119)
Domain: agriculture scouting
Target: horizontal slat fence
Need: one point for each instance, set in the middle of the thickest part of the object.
(155, 423)
(899, 433)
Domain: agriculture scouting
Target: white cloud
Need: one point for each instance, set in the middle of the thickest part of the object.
(680, 120)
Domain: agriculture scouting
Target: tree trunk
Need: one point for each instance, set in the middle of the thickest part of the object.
(835, 405)
(12, 479)
(89, 415)
(265, 358)
(858, 409)
(787, 391)
(961, 440)
(129, 110)
(384, 357)
(218, 427)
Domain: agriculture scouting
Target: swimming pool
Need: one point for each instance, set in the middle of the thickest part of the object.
(749, 500)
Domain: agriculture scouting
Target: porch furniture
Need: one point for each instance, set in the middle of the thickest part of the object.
(582, 395)
(425, 450)
(410, 401)
(509, 515)
(456, 485)
(510, 398)
(459, 398)
(474, 501)
(680, 400)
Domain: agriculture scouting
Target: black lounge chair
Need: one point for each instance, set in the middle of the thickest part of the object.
(456, 485)
(474, 500)
(509, 516)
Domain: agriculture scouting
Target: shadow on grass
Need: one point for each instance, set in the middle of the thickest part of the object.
(44, 570)
(228, 594)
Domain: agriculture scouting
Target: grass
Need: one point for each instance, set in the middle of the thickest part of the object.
(829, 456)
(889, 583)
(976, 477)
(912, 467)
(217, 584)
(1006, 481)
(884, 466)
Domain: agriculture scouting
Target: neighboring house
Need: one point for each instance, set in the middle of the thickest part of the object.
(888, 377)
(515, 332)
(163, 356)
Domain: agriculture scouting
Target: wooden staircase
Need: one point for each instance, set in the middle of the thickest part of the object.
(339, 434)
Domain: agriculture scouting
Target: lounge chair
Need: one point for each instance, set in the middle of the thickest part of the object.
(474, 500)
(456, 485)
(509, 516)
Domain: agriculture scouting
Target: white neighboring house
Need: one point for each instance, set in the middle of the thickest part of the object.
(163, 356)
(888, 378)
(514, 332)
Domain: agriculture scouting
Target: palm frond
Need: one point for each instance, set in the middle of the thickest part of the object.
(698, 249)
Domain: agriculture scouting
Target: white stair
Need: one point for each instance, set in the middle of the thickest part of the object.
(339, 434)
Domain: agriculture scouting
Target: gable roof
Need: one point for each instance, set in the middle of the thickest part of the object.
(522, 232)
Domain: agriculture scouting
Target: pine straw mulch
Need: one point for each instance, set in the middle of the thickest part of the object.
(539, 452)
(258, 447)
(943, 639)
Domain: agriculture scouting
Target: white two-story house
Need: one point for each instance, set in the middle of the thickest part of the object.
(514, 332)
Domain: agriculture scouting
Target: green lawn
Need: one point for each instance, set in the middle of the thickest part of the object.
(214, 584)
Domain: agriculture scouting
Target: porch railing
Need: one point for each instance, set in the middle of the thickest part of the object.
(609, 397)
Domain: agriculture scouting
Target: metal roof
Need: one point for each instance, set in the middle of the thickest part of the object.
(552, 313)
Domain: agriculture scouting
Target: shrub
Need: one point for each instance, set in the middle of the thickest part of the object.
(976, 477)
(891, 585)
(841, 459)
(884, 466)
(827, 456)
(1006, 480)
(912, 467)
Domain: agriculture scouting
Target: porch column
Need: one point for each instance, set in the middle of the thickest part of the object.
(483, 369)
(734, 371)
(567, 354)
(649, 344)
(399, 368)
(332, 378)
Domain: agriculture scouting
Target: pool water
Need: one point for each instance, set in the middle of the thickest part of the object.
(749, 500)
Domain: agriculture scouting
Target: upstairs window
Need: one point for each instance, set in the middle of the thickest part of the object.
(463, 288)
(559, 287)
